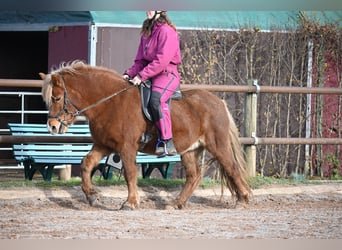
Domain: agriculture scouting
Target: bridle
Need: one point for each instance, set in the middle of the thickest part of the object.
(77, 112)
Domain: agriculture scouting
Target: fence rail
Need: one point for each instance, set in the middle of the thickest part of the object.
(19, 83)
(264, 89)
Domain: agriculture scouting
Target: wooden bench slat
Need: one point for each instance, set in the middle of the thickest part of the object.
(69, 160)
(33, 154)
(26, 147)
(41, 125)
(49, 135)
(36, 125)
(143, 159)
(42, 128)
(83, 128)
(54, 161)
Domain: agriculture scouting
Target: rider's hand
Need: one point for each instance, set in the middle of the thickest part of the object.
(136, 80)
(126, 77)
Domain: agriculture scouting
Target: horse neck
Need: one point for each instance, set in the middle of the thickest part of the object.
(84, 91)
(80, 92)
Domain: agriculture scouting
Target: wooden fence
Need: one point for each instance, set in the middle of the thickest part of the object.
(250, 141)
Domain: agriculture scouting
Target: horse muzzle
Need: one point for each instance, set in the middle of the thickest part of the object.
(56, 127)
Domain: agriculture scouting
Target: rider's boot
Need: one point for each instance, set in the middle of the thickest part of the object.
(165, 147)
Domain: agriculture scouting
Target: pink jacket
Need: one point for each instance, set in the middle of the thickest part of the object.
(157, 53)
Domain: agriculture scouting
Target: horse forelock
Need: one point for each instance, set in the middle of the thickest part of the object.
(47, 90)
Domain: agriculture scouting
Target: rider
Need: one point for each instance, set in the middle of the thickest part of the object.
(157, 59)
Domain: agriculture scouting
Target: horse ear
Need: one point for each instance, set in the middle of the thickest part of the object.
(42, 75)
(55, 79)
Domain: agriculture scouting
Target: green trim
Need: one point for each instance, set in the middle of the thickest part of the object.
(263, 20)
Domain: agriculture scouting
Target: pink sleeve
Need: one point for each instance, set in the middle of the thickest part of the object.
(168, 44)
(139, 62)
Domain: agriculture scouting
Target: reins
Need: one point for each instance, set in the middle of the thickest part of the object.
(102, 100)
(78, 112)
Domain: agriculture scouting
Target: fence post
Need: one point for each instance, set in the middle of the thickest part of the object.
(251, 127)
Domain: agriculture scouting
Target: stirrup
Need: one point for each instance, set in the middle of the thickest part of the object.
(161, 150)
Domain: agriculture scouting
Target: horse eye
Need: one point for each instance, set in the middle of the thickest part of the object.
(55, 99)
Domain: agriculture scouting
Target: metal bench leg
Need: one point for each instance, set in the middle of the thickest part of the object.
(147, 169)
(109, 173)
(169, 169)
(48, 172)
(45, 170)
(30, 169)
(27, 169)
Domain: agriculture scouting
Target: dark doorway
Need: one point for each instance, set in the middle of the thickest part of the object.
(23, 54)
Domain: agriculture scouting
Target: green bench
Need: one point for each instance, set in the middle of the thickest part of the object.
(44, 157)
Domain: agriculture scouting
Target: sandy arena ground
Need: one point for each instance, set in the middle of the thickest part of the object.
(278, 212)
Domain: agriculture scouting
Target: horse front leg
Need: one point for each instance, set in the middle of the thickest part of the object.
(88, 163)
(130, 174)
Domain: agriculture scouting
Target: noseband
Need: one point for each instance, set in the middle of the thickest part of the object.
(65, 109)
(77, 112)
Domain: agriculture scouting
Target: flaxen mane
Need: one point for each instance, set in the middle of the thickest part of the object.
(72, 68)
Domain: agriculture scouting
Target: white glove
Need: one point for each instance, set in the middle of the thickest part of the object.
(136, 80)
(126, 77)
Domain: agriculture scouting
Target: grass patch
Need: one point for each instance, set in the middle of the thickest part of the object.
(174, 183)
(5, 184)
(255, 182)
(164, 183)
(262, 181)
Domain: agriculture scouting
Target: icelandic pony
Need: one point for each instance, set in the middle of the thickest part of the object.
(112, 105)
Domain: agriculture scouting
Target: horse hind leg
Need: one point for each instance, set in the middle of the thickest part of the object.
(236, 185)
(193, 177)
(231, 167)
(234, 176)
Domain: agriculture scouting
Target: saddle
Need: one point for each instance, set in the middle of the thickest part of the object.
(145, 93)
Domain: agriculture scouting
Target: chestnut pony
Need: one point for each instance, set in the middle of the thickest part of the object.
(113, 108)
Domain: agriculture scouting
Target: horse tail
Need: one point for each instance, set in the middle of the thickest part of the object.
(239, 162)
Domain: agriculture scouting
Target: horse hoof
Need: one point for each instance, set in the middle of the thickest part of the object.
(169, 207)
(125, 207)
(93, 199)
(178, 205)
(240, 205)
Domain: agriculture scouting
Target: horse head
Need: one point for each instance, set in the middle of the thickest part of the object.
(62, 112)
